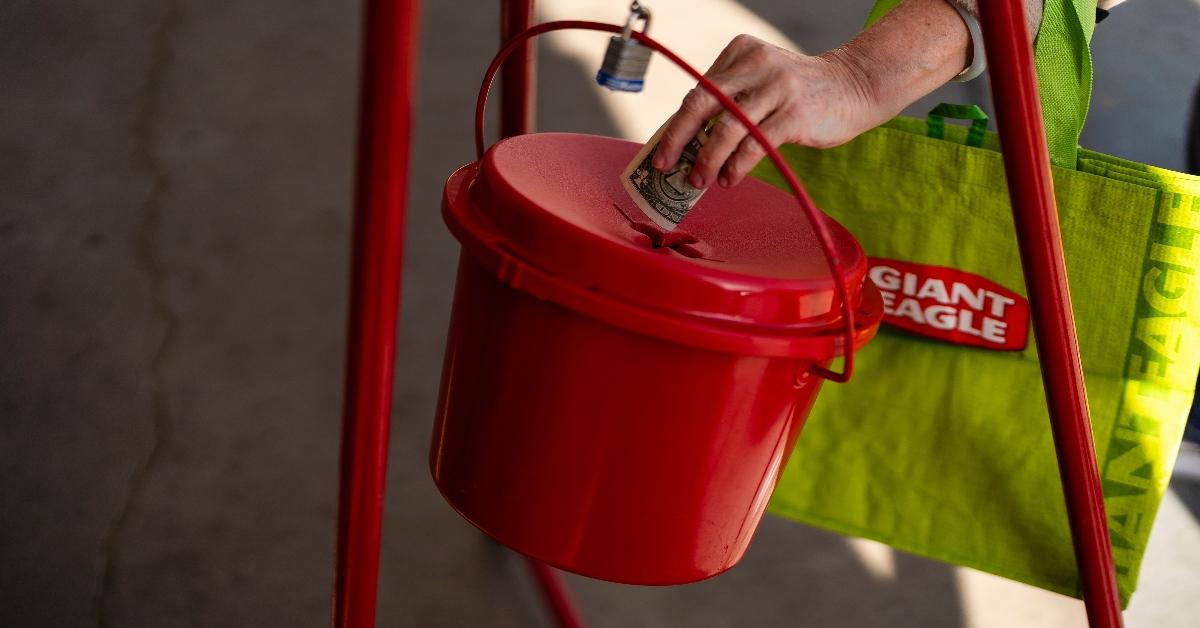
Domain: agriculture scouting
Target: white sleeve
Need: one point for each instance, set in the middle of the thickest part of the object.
(969, 10)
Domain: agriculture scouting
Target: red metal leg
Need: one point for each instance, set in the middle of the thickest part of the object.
(556, 595)
(381, 185)
(1027, 166)
(517, 76)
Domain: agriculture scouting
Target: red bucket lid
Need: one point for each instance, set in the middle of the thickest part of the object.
(744, 258)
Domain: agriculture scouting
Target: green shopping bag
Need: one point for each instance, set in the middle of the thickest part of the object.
(941, 445)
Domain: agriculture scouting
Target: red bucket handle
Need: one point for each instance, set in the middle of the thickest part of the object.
(806, 204)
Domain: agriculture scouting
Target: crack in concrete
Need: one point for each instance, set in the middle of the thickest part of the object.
(149, 256)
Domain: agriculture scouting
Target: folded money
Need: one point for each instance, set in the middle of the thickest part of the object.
(664, 196)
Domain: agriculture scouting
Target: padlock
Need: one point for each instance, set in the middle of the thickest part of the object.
(625, 61)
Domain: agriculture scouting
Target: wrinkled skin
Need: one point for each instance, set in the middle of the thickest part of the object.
(820, 100)
(817, 101)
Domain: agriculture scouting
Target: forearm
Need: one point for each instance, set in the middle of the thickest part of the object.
(819, 101)
(915, 48)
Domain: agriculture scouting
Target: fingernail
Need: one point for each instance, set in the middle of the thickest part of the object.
(658, 161)
(723, 181)
(697, 182)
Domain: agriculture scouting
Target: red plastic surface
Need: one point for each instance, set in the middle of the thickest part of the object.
(612, 408)
(464, 196)
(613, 403)
(610, 454)
(517, 96)
(849, 328)
(744, 255)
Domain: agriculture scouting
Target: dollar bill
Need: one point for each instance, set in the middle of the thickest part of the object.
(665, 197)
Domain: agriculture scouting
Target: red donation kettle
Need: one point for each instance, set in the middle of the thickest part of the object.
(617, 402)
(617, 409)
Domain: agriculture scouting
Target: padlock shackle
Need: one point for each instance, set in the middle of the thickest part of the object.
(806, 204)
(636, 10)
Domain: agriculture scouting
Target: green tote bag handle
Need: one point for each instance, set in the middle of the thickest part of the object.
(979, 121)
(1064, 68)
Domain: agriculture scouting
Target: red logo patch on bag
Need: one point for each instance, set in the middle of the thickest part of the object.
(951, 305)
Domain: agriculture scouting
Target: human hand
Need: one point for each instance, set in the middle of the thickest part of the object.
(818, 101)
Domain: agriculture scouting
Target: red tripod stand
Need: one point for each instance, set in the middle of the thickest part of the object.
(389, 53)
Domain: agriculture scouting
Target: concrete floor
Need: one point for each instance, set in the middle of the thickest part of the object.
(175, 179)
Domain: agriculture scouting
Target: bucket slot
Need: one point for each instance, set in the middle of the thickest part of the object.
(677, 240)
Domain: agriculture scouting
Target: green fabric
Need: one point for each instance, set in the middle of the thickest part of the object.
(1064, 67)
(979, 121)
(945, 451)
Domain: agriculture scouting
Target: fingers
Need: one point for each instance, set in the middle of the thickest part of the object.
(698, 106)
(730, 54)
(727, 134)
(777, 128)
(751, 71)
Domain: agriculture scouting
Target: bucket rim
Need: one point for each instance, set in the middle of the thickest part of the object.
(816, 341)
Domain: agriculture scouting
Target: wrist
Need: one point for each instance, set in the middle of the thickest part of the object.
(858, 72)
(914, 49)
